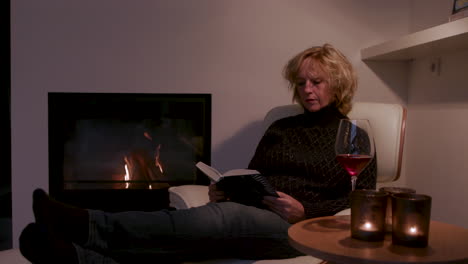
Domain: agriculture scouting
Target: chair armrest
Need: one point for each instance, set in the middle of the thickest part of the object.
(187, 196)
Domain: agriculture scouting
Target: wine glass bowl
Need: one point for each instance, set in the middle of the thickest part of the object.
(354, 146)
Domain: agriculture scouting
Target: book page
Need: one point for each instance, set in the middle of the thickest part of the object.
(211, 172)
(238, 172)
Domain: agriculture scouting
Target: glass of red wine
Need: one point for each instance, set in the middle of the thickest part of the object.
(354, 146)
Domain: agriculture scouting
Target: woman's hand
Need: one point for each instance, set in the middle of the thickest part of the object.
(285, 206)
(215, 194)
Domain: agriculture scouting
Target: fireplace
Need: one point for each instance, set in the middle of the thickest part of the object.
(122, 151)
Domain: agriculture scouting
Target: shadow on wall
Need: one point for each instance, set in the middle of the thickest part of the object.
(236, 152)
(436, 79)
(440, 80)
(391, 73)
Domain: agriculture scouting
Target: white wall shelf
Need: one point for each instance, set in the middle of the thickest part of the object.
(437, 40)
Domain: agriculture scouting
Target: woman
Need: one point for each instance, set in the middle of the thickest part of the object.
(296, 154)
(324, 83)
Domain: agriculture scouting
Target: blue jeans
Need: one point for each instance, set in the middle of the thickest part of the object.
(216, 230)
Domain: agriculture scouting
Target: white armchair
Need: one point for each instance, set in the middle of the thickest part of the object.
(388, 124)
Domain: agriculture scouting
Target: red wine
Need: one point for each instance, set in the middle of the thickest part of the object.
(353, 164)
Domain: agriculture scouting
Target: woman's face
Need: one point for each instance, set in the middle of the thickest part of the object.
(312, 86)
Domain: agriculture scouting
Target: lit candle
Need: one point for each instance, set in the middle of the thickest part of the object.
(368, 215)
(411, 219)
(367, 226)
(413, 230)
(392, 190)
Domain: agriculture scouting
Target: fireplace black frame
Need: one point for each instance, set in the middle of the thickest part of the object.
(66, 107)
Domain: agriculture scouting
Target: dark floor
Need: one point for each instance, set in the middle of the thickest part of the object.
(5, 233)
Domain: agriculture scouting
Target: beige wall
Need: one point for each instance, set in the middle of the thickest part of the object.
(437, 139)
(234, 49)
(437, 157)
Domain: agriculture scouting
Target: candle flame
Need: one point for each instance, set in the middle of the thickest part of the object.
(413, 230)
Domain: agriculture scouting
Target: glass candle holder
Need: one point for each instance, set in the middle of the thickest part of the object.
(411, 217)
(368, 209)
(390, 191)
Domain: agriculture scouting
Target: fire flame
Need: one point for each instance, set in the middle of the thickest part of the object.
(127, 177)
(148, 136)
(130, 166)
(157, 162)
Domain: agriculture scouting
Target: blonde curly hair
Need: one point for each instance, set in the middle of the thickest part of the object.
(342, 77)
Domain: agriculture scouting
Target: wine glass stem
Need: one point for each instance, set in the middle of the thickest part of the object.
(353, 182)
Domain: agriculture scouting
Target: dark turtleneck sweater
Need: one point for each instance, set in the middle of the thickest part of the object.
(297, 155)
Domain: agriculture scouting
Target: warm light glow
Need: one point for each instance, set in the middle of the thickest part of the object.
(150, 187)
(368, 226)
(413, 230)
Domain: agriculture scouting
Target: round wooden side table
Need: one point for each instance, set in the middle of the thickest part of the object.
(329, 238)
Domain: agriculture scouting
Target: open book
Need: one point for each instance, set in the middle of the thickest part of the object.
(240, 185)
